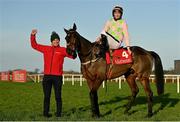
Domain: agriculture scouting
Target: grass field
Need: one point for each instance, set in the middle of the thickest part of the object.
(23, 101)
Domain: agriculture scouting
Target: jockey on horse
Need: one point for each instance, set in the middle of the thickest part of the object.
(116, 31)
(96, 68)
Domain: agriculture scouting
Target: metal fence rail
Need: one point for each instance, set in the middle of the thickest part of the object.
(79, 78)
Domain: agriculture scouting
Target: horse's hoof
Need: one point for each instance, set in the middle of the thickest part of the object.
(149, 115)
(95, 116)
(126, 112)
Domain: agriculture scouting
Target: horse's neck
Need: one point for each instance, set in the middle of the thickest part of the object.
(85, 48)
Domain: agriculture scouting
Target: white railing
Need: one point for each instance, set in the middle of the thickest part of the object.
(79, 78)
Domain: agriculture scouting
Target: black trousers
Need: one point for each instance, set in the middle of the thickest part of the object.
(48, 82)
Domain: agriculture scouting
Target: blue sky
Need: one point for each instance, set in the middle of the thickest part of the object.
(153, 25)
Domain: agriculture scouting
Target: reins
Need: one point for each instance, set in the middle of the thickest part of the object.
(90, 53)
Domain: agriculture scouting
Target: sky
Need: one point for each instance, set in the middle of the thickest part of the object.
(153, 25)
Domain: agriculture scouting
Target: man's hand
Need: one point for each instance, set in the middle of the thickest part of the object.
(34, 32)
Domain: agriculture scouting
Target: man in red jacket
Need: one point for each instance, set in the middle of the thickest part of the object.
(53, 69)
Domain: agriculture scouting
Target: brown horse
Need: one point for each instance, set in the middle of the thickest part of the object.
(94, 69)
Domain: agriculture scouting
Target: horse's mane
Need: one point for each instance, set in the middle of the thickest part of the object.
(82, 38)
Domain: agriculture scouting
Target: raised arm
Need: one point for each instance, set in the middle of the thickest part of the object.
(34, 44)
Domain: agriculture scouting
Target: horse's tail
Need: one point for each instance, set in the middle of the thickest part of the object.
(159, 73)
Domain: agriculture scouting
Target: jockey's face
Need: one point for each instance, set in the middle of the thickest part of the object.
(117, 14)
(55, 42)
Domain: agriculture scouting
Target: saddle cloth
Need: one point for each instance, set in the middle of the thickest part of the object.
(120, 56)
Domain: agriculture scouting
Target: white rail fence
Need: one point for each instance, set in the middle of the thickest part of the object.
(79, 78)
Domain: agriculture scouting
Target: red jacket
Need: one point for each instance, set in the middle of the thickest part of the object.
(53, 57)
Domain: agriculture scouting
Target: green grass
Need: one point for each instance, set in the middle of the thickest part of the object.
(23, 101)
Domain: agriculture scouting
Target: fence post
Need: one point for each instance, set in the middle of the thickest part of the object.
(103, 84)
(173, 80)
(119, 82)
(72, 79)
(153, 80)
(38, 78)
(35, 78)
(63, 79)
(80, 80)
(178, 84)
(165, 80)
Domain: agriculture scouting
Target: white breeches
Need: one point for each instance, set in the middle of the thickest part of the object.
(112, 43)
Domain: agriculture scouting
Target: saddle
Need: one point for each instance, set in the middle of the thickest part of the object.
(119, 56)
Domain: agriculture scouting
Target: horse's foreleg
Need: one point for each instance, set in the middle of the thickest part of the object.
(149, 93)
(93, 86)
(94, 103)
(134, 89)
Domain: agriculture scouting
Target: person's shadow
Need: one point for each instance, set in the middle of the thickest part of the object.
(163, 100)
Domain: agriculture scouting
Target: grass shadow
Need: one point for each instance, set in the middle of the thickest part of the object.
(164, 101)
(88, 107)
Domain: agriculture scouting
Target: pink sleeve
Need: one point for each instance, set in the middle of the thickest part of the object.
(106, 28)
(125, 33)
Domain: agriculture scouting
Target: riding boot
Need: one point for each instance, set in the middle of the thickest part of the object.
(105, 42)
(103, 46)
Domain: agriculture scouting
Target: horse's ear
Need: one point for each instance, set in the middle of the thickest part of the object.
(66, 31)
(74, 27)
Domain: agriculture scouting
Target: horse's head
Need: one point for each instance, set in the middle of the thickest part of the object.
(77, 43)
(71, 39)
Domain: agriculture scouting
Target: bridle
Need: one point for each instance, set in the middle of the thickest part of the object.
(84, 55)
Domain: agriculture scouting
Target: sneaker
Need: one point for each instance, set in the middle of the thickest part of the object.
(47, 115)
(58, 114)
